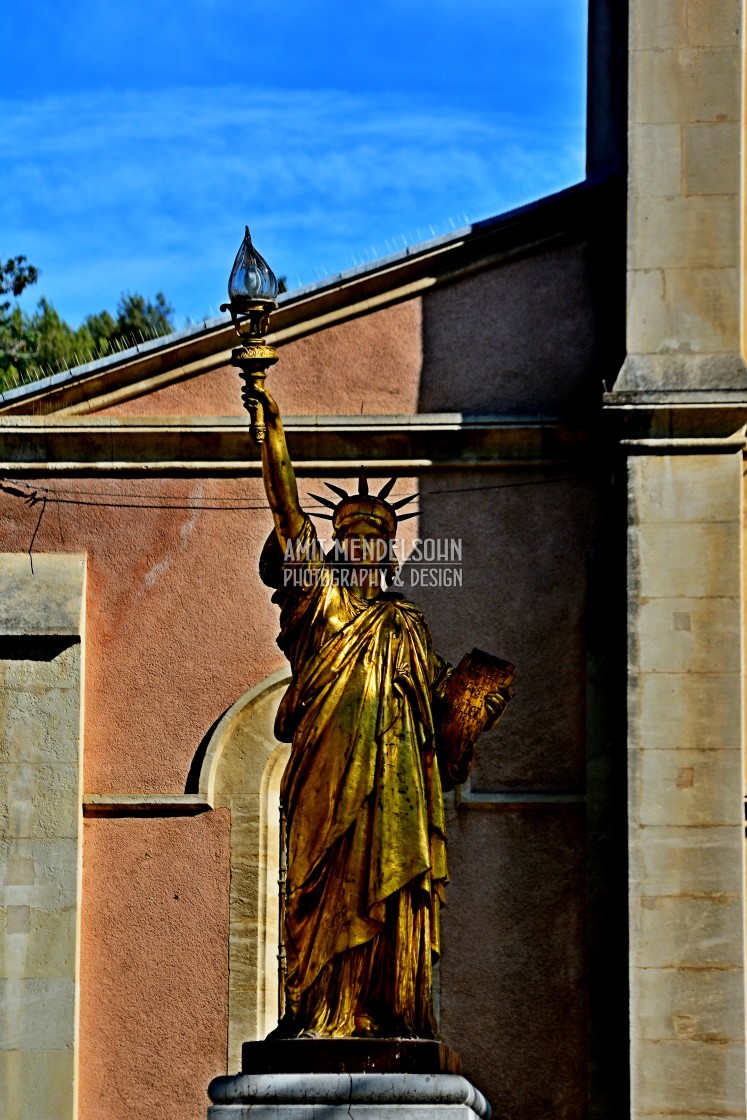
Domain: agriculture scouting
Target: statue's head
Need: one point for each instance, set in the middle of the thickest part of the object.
(364, 508)
(365, 524)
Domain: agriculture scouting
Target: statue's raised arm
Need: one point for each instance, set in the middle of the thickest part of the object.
(277, 468)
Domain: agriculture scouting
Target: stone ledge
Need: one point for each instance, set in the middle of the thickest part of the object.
(708, 420)
(316, 443)
(467, 798)
(143, 805)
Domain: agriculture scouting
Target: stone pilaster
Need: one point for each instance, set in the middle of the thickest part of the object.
(681, 403)
(686, 827)
(41, 677)
(685, 207)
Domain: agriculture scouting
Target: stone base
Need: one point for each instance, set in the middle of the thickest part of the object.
(346, 1096)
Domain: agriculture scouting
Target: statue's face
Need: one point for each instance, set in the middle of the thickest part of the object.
(364, 546)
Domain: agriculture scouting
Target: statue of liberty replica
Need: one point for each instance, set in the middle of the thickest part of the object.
(378, 725)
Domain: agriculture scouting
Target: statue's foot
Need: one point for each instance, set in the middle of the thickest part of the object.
(286, 1028)
(366, 1026)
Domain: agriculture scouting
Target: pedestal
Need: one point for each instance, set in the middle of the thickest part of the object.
(346, 1096)
(347, 1079)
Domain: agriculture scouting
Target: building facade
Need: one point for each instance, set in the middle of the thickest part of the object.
(583, 441)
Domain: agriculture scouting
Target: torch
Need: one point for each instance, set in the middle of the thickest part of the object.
(252, 294)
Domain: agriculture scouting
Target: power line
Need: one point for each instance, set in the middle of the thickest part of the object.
(35, 494)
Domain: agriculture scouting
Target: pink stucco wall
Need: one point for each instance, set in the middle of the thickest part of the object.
(368, 364)
(179, 625)
(154, 966)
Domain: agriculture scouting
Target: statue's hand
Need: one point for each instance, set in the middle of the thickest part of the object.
(256, 395)
(495, 704)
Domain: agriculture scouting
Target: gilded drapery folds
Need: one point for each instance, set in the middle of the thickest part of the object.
(363, 802)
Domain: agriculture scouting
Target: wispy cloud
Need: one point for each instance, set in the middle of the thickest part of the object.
(147, 191)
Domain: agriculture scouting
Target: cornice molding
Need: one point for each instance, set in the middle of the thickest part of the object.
(684, 421)
(37, 446)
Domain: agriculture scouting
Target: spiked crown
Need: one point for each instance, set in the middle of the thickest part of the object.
(364, 506)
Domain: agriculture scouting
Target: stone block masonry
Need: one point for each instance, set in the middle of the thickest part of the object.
(685, 784)
(41, 671)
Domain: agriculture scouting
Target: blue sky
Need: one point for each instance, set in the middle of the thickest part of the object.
(137, 139)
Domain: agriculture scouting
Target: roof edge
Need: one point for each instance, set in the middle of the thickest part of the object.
(350, 293)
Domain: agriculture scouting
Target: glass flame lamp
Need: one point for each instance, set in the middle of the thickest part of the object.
(252, 291)
(252, 280)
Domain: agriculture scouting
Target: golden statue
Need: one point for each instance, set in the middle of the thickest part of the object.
(362, 792)
(374, 718)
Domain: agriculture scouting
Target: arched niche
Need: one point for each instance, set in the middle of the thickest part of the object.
(241, 771)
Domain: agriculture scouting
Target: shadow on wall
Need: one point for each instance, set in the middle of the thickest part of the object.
(515, 911)
(536, 336)
(20, 648)
(523, 339)
(192, 784)
(523, 534)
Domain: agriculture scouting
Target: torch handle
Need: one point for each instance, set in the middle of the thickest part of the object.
(255, 382)
(258, 426)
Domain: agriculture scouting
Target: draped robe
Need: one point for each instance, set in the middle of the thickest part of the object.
(363, 804)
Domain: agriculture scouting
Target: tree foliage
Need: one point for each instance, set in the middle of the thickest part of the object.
(35, 344)
(15, 275)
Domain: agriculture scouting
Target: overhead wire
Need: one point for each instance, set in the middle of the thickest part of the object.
(37, 493)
